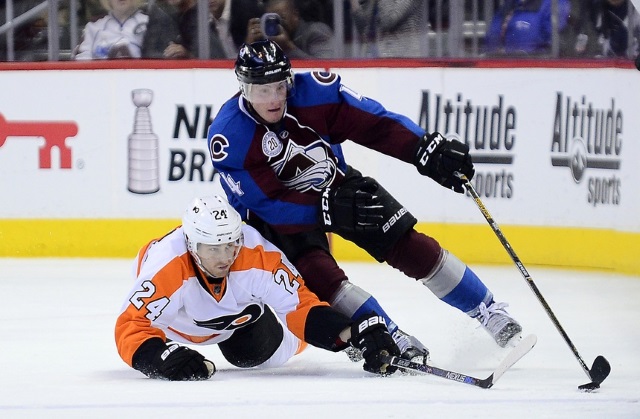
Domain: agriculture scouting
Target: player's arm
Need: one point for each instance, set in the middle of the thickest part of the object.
(397, 136)
(367, 122)
(320, 325)
(329, 329)
(261, 191)
(144, 346)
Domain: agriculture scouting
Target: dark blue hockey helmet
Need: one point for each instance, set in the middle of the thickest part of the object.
(262, 62)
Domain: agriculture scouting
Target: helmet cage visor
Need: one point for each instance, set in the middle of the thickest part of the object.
(206, 254)
(265, 93)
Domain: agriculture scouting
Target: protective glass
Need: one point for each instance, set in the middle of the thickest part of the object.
(265, 93)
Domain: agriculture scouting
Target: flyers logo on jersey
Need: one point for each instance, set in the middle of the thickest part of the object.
(233, 321)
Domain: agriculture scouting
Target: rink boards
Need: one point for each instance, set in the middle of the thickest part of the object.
(98, 158)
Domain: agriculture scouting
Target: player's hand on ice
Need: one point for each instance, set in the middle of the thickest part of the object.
(179, 363)
(440, 159)
(369, 334)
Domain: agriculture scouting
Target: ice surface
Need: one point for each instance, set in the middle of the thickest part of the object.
(58, 357)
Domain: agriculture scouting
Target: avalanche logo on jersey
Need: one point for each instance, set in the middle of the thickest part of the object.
(305, 167)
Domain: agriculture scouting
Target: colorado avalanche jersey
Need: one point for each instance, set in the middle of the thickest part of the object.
(171, 299)
(276, 172)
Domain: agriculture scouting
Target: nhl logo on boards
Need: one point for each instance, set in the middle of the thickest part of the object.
(271, 144)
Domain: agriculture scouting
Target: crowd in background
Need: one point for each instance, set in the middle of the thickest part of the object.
(172, 29)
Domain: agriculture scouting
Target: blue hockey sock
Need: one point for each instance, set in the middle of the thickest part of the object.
(372, 305)
(457, 285)
(354, 302)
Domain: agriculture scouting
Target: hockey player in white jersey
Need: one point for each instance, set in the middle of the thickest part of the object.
(215, 280)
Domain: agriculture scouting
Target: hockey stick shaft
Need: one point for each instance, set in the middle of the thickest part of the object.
(523, 347)
(428, 369)
(525, 274)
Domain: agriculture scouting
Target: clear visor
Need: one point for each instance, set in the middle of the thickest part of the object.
(265, 93)
(219, 253)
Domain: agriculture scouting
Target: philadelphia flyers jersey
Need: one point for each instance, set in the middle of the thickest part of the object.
(172, 298)
(277, 171)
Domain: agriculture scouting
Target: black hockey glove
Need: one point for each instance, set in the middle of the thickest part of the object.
(370, 335)
(352, 207)
(179, 363)
(440, 158)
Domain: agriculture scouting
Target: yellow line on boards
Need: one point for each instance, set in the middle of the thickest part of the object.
(602, 249)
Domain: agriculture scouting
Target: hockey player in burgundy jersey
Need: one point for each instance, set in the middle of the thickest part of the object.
(216, 280)
(276, 145)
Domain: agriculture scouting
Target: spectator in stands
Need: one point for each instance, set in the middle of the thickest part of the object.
(579, 39)
(162, 29)
(242, 13)
(316, 11)
(220, 11)
(391, 28)
(117, 35)
(524, 27)
(29, 37)
(186, 46)
(297, 37)
(611, 19)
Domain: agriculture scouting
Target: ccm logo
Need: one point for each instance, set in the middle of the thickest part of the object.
(326, 218)
(430, 149)
(54, 134)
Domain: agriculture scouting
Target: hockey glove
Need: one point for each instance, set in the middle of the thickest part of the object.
(179, 363)
(352, 207)
(370, 335)
(440, 159)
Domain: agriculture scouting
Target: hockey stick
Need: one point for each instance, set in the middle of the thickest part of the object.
(601, 368)
(523, 347)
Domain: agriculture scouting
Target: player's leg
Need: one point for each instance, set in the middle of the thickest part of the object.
(318, 265)
(421, 257)
(264, 343)
(309, 252)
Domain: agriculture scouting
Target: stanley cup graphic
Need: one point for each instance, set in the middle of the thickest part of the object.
(144, 170)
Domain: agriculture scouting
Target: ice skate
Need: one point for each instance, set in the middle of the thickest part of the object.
(497, 322)
(410, 347)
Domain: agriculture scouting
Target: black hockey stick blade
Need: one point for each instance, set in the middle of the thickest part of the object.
(600, 369)
(521, 349)
(598, 373)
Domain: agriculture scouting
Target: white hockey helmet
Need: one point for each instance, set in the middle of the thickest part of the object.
(211, 220)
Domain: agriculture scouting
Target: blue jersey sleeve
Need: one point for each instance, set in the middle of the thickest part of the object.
(348, 115)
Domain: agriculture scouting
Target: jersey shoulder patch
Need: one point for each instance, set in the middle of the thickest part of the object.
(324, 78)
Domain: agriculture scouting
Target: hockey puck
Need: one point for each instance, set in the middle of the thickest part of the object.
(589, 387)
